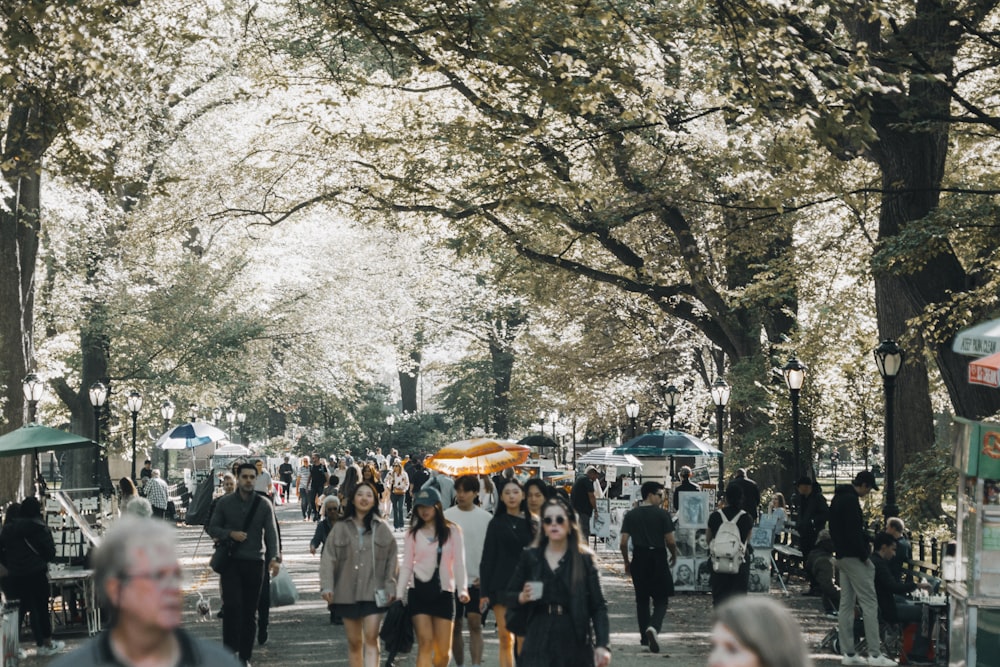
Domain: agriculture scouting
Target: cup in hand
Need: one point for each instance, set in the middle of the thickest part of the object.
(535, 589)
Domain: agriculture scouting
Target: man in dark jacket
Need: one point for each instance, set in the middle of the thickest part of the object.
(810, 520)
(685, 485)
(822, 570)
(857, 573)
(751, 494)
(890, 589)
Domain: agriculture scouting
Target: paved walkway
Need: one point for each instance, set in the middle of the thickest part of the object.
(301, 635)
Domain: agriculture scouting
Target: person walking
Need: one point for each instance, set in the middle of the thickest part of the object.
(432, 574)
(654, 552)
(158, 494)
(509, 532)
(474, 522)
(728, 584)
(757, 631)
(26, 549)
(398, 483)
(286, 475)
(302, 487)
(138, 578)
(536, 492)
(253, 550)
(751, 494)
(318, 477)
(555, 587)
(857, 573)
(331, 514)
(584, 499)
(358, 573)
(812, 517)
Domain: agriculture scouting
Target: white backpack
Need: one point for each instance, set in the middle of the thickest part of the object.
(727, 549)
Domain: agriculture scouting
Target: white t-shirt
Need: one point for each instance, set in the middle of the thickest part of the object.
(473, 524)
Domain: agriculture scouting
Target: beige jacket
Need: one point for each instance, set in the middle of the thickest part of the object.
(353, 567)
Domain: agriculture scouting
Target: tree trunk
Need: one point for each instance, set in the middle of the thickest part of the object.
(409, 379)
(502, 365)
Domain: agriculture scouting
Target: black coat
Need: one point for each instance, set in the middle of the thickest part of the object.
(506, 538)
(587, 606)
(813, 513)
(26, 547)
(847, 524)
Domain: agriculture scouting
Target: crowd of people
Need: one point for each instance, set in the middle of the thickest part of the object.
(471, 545)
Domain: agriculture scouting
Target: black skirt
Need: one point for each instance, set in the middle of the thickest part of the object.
(542, 649)
(439, 604)
(357, 610)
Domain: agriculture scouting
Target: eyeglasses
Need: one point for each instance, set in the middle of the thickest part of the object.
(169, 578)
(549, 520)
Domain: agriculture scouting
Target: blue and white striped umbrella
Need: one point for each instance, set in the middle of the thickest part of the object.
(189, 436)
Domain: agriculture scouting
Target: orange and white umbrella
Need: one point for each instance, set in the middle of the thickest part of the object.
(478, 456)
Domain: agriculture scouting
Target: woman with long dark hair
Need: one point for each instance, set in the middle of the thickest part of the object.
(358, 573)
(398, 484)
(509, 532)
(536, 492)
(556, 589)
(431, 575)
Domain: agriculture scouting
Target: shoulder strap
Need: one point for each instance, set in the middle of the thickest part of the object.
(253, 510)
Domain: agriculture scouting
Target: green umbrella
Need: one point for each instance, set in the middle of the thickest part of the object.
(32, 438)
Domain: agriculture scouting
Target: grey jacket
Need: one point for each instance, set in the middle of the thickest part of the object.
(195, 652)
(351, 568)
(262, 534)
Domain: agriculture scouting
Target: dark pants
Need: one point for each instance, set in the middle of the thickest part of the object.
(241, 584)
(584, 520)
(160, 512)
(311, 502)
(725, 586)
(33, 592)
(651, 580)
(264, 604)
(303, 502)
(398, 515)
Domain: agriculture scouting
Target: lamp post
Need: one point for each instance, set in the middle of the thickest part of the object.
(33, 388)
(192, 412)
(720, 396)
(216, 416)
(672, 397)
(231, 419)
(632, 412)
(390, 419)
(98, 395)
(795, 374)
(889, 359)
(241, 417)
(134, 404)
(167, 412)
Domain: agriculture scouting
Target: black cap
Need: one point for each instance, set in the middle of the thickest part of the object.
(866, 477)
(807, 481)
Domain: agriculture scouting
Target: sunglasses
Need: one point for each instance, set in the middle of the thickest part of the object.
(549, 520)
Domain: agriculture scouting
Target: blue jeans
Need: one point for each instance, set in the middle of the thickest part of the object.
(398, 515)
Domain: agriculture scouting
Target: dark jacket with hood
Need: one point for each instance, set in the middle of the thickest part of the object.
(847, 524)
(26, 547)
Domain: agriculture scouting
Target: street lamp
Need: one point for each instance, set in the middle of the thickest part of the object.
(672, 396)
(632, 411)
(231, 419)
(216, 416)
(889, 359)
(720, 396)
(33, 388)
(795, 375)
(134, 404)
(192, 412)
(390, 419)
(241, 417)
(167, 412)
(98, 395)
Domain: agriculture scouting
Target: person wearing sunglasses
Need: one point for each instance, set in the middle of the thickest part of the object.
(138, 578)
(654, 552)
(557, 590)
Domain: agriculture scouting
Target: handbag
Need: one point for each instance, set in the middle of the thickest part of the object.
(518, 618)
(397, 629)
(428, 589)
(223, 553)
(283, 590)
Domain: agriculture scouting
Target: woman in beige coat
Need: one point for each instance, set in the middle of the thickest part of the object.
(358, 573)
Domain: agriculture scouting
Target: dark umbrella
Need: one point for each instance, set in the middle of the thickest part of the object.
(667, 443)
(538, 441)
(32, 438)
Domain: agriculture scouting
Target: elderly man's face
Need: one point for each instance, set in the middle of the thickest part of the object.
(150, 594)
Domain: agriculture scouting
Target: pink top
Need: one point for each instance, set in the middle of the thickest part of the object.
(420, 559)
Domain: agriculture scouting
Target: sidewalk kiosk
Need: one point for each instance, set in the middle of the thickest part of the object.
(974, 574)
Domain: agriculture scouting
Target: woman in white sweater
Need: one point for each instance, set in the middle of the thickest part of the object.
(431, 574)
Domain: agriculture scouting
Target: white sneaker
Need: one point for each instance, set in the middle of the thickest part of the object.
(55, 646)
(881, 661)
(855, 660)
(654, 646)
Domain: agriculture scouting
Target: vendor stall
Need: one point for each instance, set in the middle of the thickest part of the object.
(974, 577)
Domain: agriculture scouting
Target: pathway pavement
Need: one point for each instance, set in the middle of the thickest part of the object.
(301, 635)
